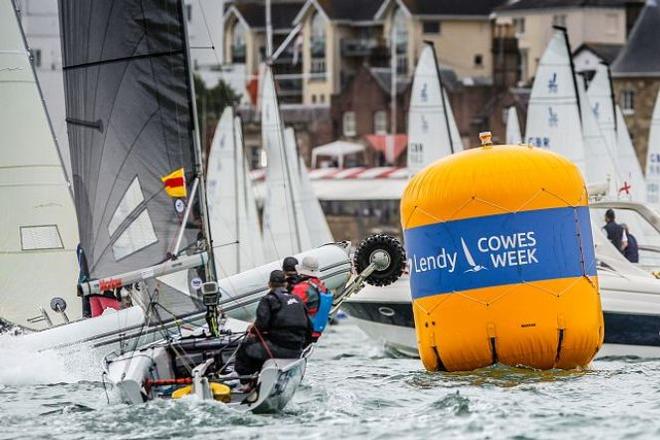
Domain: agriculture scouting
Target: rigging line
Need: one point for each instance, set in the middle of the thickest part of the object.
(166, 53)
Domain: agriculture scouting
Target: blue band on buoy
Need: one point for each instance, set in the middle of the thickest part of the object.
(500, 249)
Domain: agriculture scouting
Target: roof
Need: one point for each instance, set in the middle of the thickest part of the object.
(606, 52)
(639, 56)
(516, 5)
(451, 7)
(282, 14)
(354, 11)
(383, 77)
(361, 10)
(379, 142)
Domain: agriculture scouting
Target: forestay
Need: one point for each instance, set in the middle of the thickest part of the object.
(317, 225)
(432, 131)
(284, 228)
(38, 230)
(553, 115)
(232, 207)
(513, 136)
(130, 119)
(653, 156)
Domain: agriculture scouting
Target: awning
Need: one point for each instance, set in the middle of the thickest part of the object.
(380, 142)
(336, 149)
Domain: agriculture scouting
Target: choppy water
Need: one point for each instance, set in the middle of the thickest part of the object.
(351, 390)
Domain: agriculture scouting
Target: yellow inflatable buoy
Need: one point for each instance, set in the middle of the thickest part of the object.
(501, 261)
(221, 392)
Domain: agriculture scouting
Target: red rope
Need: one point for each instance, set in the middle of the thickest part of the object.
(263, 342)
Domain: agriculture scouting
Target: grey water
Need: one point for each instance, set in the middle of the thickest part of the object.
(351, 390)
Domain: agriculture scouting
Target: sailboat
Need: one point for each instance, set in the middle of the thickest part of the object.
(139, 182)
(39, 228)
(432, 130)
(513, 135)
(285, 230)
(653, 156)
(553, 115)
(231, 201)
(615, 133)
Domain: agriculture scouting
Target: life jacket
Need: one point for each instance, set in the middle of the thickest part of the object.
(317, 300)
(289, 326)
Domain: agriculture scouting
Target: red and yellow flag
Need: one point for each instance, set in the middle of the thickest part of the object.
(175, 184)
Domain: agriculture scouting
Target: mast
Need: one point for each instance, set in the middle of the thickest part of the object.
(236, 195)
(612, 98)
(570, 59)
(199, 167)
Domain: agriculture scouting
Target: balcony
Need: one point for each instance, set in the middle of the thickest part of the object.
(363, 47)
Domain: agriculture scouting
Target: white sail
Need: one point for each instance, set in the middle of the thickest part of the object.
(317, 225)
(600, 165)
(284, 229)
(513, 136)
(602, 104)
(38, 228)
(432, 131)
(553, 116)
(233, 222)
(630, 171)
(653, 156)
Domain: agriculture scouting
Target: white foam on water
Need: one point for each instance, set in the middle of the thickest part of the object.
(21, 364)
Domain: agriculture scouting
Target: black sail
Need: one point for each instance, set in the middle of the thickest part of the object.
(129, 114)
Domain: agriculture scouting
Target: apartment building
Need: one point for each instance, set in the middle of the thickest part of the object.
(596, 22)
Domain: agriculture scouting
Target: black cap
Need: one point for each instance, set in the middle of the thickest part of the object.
(289, 264)
(277, 277)
(609, 214)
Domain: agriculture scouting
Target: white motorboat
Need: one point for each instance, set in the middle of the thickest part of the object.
(630, 295)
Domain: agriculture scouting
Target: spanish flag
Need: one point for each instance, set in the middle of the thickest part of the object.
(175, 184)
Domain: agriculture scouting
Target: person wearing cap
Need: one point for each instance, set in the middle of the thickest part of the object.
(314, 294)
(290, 272)
(281, 330)
(616, 234)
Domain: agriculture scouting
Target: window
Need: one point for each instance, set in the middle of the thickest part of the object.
(431, 27)
(349, 124)
(238, 44)
(478, 60)
(322, 98)
(313, 99)
(628, 102)
(317, 43)
(559, 20)
(519, 25)
(400, 40)
(380, 122)
(40, 237)
(36, 57)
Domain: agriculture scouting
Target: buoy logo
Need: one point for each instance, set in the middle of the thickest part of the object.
(474, 267)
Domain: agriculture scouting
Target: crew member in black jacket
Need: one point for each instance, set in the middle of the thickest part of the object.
(281, 329)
